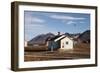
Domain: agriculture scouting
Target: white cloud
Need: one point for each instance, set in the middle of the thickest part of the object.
(68, 19)
(32, 22)
(62, 17)
(37, 20)
(34, 30)
(32, 19)
(73, 22)
(70, 22)
(81, 22)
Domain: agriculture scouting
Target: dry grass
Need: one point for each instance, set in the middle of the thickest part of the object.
(82, 48)
(35, 48)
(40, 53)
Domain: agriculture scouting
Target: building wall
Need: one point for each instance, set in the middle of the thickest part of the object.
(25, 43)
(66, 43)
(54, 45)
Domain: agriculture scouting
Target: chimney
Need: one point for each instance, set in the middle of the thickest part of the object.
(58, 33)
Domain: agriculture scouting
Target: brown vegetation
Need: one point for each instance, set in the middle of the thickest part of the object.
(35, 48)
(40, 53)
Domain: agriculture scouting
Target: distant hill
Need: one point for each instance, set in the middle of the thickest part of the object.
(85, 36)
(72, 35)
(82, 37)
(40, 39)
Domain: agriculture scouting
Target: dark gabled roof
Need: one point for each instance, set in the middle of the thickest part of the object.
(55, 37)
(52, 39)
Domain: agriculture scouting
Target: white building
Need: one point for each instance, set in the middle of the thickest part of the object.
(25, 43)
(66, 43)
(61, 42)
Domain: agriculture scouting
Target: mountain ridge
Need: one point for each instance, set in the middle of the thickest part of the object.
(41, 39)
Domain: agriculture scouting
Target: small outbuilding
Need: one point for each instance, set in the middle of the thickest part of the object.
(25, 43)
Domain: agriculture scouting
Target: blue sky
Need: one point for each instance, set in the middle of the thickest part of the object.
(44, 22)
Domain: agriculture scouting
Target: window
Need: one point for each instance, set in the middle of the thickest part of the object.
(67, 42)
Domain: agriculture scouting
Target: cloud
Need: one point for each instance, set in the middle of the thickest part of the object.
(70, 22)
(37, 20)
(81, 22)
(74, 22)
(62, 17)
(29, 18)
(68, 19)
(33, 30)
(33, 20)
